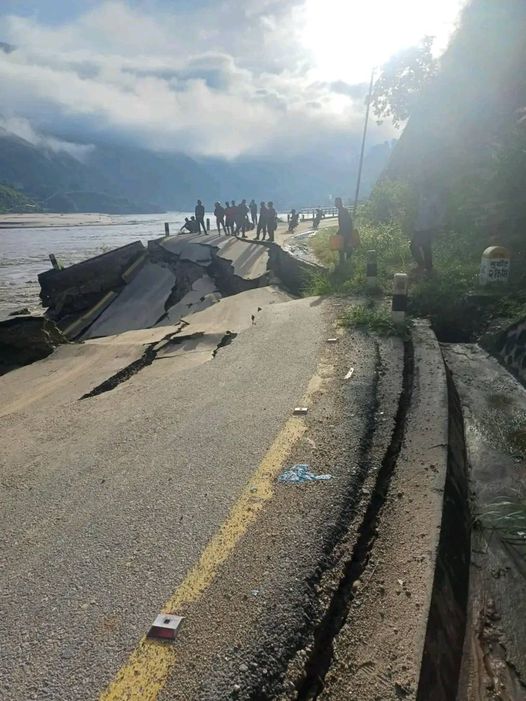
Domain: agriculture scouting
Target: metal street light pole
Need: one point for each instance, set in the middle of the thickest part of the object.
(364, 137)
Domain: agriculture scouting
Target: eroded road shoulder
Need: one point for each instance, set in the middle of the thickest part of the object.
(251, 634)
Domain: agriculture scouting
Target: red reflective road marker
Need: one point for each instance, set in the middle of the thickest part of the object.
(165, 627)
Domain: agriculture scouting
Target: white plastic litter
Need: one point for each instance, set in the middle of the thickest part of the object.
(301, 473)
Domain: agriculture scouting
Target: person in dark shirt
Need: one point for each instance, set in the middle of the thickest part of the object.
(345, 229)
(241, 223)
(272, 220)
(219, 213)
(293, 220)
(262, 223)
(317, 218)
(253, 212)
(228, 219)
(200, 217)
(235, 216)
(187, 226)
(194, 225)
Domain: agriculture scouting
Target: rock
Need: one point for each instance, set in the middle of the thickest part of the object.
(25, 339)
(20, 312)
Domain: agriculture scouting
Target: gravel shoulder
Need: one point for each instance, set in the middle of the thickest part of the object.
(251, 636)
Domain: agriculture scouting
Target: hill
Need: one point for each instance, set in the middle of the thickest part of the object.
(467, 136)
(97, 202)
(151, 182)
(12, 200)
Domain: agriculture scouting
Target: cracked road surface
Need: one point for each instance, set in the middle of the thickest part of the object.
(162, 494)
(108, 502)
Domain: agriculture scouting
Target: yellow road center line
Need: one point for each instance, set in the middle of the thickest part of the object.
(145, 673)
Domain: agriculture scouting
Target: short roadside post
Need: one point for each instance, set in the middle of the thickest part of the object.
(166, 229)
(371, 269)
(399, 307)
(207, 224)
(54, 262)
(494, 266)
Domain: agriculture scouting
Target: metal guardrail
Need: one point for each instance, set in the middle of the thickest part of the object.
(310, 212)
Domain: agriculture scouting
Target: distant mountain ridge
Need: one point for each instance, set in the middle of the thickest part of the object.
(118, 178)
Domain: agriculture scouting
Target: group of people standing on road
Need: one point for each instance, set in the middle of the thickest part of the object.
(236, 219)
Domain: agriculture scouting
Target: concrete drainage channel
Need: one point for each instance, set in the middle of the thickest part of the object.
(442, 657)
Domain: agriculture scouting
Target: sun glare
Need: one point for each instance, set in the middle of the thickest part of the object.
(347, 38)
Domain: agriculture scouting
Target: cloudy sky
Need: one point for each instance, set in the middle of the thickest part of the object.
(206, 77)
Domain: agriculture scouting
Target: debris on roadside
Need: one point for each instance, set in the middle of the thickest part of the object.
(349, 374)
(301, 473)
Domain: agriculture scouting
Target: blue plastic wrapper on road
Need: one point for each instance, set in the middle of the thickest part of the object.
(301, 473)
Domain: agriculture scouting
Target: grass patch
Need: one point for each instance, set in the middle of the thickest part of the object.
(458, 309)
(320, 245)
(387, 240)
(374, 319)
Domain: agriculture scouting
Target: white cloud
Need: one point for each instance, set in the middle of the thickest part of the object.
(224, 79)
(19, 126)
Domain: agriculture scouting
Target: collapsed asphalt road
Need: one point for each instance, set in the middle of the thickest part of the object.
(109, 502)
(164, 469)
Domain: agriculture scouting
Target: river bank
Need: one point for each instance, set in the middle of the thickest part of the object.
(26, 240)
(42, 220)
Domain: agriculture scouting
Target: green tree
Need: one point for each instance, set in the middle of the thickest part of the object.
(402, 81)
(392, 202)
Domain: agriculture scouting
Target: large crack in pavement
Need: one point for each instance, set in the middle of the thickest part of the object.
(320, 659)
(151, 354)
(225, 341)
